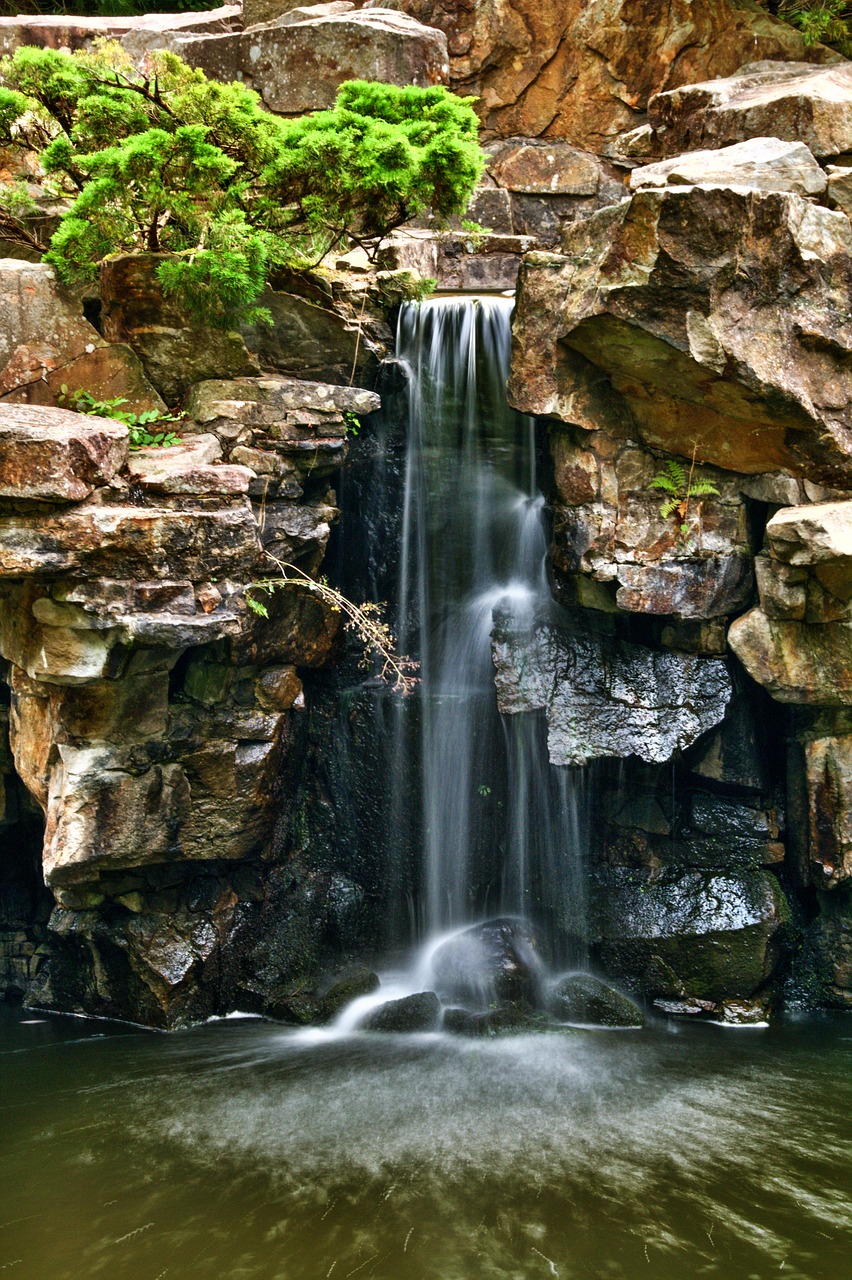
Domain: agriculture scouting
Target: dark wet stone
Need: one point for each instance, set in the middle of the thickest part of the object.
(420, 1012)
(581, 997)
(508, 1021)
(492, 962)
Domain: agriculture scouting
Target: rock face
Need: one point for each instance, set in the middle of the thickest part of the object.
(581, 997)
(791, 100)
(651, 316)
(604, 697)
(153, 717)
(585, 71)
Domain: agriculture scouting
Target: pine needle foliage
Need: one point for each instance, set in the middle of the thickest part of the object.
(165, 160)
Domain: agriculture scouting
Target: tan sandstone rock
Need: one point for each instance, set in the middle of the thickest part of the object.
(662, 319)
(791, 100)
(55, 455)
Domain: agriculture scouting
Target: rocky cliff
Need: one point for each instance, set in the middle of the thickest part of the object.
(679, 189)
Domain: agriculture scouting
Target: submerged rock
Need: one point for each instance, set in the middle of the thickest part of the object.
(494, 961)
(581, 997)
(421, 1012)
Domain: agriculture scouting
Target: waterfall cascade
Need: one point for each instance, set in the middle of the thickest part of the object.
(498, 829)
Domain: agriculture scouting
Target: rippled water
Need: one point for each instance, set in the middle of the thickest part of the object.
(244, 1151)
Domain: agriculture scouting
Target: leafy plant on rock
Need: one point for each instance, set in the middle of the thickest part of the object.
(138, 424)
(165, 160)
(681, 487)
(820, 21)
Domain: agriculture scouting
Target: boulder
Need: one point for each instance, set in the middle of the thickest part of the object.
(581, 997)
(761, 164)
(796, 662)
(790, 100)
(174, 351)
(67, 31)
(150, 543)
(257, 11)
(583, 70)
(420, 1012)
(312, 341)
(688, 934)
(662, 317)
(606, 697)
(549, 167)
(54, 455)
(492, 962)
(299, 66)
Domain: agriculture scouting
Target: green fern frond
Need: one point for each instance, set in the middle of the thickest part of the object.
(665, 483)
(700, 488)
(677, 472)
(668, 508)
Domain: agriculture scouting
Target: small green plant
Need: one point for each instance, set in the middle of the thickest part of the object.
(352, 421)
(364, 620)
(820, 21)
(138, 424)
(682, 487)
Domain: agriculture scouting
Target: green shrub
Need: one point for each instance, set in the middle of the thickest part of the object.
(169, 161)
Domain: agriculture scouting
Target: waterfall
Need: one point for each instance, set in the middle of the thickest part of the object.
(470, 794)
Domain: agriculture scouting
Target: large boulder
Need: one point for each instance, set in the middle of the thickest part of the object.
(584, 70)
(606, 697)
(662, 318)
(68, 31)
(53, 455)
(713, 936)
(298, 66)
(492, 962)
(792, 100)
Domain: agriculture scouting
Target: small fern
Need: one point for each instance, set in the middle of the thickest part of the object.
(681, 487)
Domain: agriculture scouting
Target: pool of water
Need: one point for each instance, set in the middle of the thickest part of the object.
(244, 1151)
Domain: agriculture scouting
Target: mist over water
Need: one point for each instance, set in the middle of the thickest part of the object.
(242, 1151)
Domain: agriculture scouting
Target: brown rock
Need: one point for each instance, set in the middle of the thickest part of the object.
(792, 100)
(828, 767)
(796, 662)
(149, 543)
(583, 70)
(277, 688)
(174, 352)
(673, 300)
(544, 168)
(55, 455)
(67, 31)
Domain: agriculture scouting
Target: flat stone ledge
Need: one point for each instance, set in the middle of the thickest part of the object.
(54, 455)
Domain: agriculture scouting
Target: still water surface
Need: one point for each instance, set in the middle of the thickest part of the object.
(245, 1151)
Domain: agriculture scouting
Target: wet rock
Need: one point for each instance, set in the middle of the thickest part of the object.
(703, 935)
(494, 961)
(605, 697)
(412, 1013)
(762, 164)
(536, 68)
(57, 456)
(828, 772)
(790, 100)
(581, 997)
(318, 1003)
(732, 755)
(663, 309)
(545, 168)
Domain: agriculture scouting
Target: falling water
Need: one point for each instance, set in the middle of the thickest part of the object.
(500, 825)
